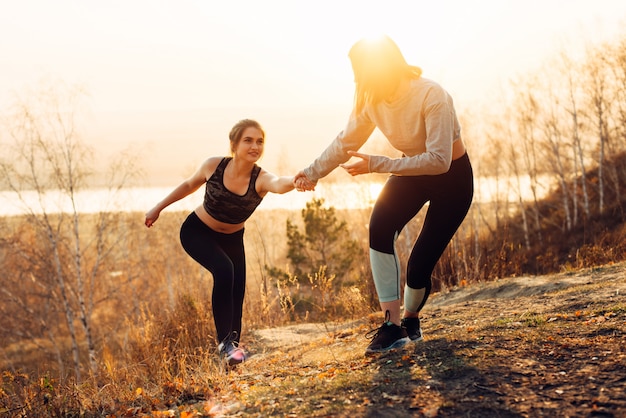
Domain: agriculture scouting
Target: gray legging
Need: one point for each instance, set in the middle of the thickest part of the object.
(224, 256)
(450, 196)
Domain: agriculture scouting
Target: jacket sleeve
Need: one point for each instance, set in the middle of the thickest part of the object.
(356, 132)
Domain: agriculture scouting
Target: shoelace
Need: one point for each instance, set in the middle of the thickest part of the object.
(230, 342)
(230, 347)
(371, 334)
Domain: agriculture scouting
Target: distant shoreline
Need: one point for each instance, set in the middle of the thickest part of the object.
(347, 195)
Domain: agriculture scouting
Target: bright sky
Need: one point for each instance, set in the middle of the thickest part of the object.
(172, 77)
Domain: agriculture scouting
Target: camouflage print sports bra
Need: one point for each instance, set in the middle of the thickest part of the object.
(226, 206)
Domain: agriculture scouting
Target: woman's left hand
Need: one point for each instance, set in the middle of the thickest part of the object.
(361, 166)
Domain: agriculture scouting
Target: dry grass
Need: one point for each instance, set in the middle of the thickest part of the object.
(552, 347)
(537, 346)
(157, 350)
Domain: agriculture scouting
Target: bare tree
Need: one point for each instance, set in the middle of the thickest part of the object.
(491, 166)
(527, 111)
(554, 137)
(616, 61)
(595, 82)
(609, 57)
(571, 107)
(46, 167)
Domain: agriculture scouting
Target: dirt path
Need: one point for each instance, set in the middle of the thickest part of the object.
(521, 347)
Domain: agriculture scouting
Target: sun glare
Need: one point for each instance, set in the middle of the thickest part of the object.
(375, 189)
(373, 37)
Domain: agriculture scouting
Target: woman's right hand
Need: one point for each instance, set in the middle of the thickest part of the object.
(302, 183)
(151, 216)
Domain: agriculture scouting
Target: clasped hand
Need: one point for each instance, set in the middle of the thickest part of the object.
(302, 183)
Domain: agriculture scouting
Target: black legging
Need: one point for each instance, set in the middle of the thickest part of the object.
(450, 196)
(224, 256)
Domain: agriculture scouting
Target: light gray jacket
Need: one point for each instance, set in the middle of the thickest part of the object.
(422, 124)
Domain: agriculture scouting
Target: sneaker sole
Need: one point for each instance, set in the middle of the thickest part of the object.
(232, 361)
(416, 339)
(228, 363)
(397, 344)
(236, 360)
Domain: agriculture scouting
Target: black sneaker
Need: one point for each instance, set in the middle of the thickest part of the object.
(387, 337)
(412, 327)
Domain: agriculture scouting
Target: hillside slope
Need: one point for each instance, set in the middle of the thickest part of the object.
(523, 347)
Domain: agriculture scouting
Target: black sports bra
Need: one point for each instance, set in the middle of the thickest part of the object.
(226, 206)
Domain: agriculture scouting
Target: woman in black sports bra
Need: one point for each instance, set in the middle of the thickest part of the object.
(213, 233)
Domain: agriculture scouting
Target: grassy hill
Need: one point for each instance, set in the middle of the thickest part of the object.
(521, 347)
(529, 346)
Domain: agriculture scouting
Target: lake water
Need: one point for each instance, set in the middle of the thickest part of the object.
(350, 195)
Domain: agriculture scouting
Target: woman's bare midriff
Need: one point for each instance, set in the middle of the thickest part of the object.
(458, 149)
(216, 225)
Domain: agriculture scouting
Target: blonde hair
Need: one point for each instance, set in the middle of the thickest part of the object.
(378, 66)
(237, 132)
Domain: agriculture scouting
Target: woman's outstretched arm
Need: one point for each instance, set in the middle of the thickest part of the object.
(184, 189)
